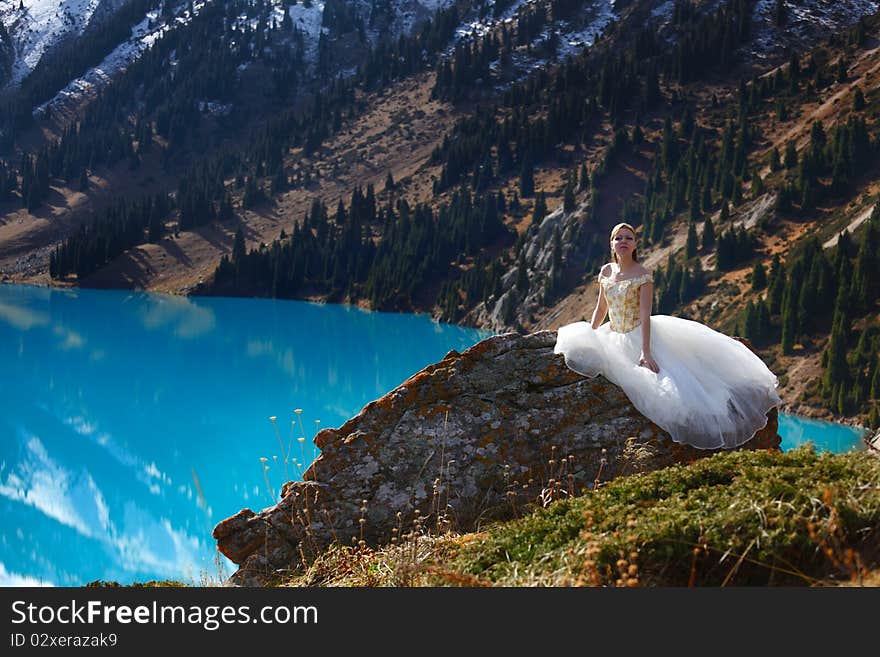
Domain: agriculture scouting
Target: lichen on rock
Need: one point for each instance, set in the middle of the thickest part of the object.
(474, 438)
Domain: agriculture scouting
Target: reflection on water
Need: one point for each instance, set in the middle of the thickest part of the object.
(131, 423)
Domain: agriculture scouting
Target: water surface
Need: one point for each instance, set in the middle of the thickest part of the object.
(131, 423)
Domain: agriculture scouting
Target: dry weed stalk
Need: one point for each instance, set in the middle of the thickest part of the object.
(602, 463)
(832, 541)
(635, 457)
(561, 482)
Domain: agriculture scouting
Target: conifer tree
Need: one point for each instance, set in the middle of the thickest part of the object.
(750, 323)
(708, 241)
(522, 276)
(789, 323)
(691, 243)
(791, 155)
(775, 164)
(569, 202)
(780, 13)
(759, 277)
(858, 100)
(540, 210)
(238, 248)
(836, 371)
(584, 178)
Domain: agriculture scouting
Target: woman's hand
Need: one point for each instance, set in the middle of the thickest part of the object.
(647, 361)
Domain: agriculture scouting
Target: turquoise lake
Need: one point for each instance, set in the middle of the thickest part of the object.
(131, 423)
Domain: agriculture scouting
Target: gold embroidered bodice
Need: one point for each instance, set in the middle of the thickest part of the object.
(623, 300)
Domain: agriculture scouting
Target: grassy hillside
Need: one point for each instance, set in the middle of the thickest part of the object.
(746, 518)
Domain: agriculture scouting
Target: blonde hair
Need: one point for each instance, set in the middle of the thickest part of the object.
(614, 232)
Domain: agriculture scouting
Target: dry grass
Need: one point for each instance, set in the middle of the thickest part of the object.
(746, 518)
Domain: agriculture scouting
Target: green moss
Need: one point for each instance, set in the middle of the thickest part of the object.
(736, 518)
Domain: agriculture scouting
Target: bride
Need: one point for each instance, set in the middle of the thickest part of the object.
(700, 386)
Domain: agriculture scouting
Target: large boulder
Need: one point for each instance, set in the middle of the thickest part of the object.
(478, 436)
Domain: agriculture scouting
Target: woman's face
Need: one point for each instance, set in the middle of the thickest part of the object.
(623, 243)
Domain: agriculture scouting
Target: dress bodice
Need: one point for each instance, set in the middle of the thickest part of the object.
(623, 300)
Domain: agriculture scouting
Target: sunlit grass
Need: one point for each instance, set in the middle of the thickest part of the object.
(742, 518)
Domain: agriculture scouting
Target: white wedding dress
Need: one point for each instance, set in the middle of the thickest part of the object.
(711, 391)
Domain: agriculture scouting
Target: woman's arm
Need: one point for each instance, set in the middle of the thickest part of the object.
(646, 298)
(601, 309)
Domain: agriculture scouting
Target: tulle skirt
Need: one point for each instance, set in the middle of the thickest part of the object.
(711, 391)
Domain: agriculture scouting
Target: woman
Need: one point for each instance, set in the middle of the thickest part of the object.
(702, 387)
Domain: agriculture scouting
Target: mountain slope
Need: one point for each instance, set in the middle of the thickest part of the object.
(534, 144)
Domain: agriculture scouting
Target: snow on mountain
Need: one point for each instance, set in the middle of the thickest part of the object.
(570, 36)
(805, 21)
(143, 35)
(410, 13)
(596, 18)
(308, 20)
(42, 24)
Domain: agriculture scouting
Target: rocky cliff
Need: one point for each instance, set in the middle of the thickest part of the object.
(478, 436)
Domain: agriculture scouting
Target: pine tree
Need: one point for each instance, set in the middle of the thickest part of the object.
(794, 67)
(750, 323)
(569, 202)
(252, 193)
(780, 13)
(776, 295)
(783, 200)
(789, 321)
(691, 243)
(858, 100)
(757, 187)
(638, 136)
(791, 155)
(836, 371)
(708, 241)
(864, 271)
(759, 277)
(764, 325)
(775, 164)
(584, 178)
(540, 210)
(238, 248)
